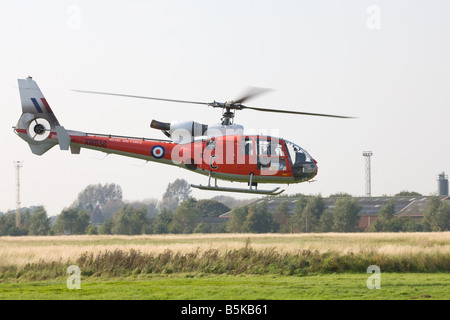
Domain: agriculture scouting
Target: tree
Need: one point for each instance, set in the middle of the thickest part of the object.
(431, 213)
(326, 221)
(437, 215)
(408, 194)
(310, 217)
(130, 221)
(300, 206)
(282, 217)
(176, 192)
(238, 216)
(259, 219)
(410, 225)
(39, 222)
(340, 195)
(25, 220)
(385, 222)
(107, 226)
(72, 221)
(387, 212)
(95, 196)
(345, 215)
(307, 213)
(443, 217)
(202, 228)
(91, 230)
(8, 224)
(65, 221)
(81, 222)
(185, 217)
(152, 207)
(110, 208)
(210, 208)
(33, 221)
(162, 221)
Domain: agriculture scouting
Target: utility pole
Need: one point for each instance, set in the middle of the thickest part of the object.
(18, 165)
(368, 154)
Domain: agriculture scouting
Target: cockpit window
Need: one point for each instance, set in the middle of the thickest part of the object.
(297, 155)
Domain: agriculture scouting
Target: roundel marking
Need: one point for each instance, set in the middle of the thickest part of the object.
(158, 152)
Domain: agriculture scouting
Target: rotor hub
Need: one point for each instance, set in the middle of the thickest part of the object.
(227, 117)
(39, 129)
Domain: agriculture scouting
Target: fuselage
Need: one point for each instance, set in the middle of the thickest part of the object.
(231, 157)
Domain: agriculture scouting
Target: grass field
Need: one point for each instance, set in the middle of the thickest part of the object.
(227, 266)
(341, 286)
(29, 249)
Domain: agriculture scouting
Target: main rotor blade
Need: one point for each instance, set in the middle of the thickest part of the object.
(251, 93)
(296, 112)
(140, 97)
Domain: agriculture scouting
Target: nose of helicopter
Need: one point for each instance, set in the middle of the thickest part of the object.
(306, 171)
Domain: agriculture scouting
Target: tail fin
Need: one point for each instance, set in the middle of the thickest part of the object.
(38, 123)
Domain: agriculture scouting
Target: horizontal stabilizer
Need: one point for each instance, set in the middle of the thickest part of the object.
(63, 138)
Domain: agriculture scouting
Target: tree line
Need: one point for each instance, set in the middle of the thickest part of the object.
(129, 220)
(310, 215)
(435, 218)
(100, 209)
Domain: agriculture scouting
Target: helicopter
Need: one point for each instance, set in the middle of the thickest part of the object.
(220, 151)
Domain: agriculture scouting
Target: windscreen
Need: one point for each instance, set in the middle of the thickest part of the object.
(297, 155)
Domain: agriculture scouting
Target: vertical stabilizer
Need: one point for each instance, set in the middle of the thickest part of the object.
(38, 121)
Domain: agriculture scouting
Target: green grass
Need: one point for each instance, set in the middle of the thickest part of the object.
(340, 286)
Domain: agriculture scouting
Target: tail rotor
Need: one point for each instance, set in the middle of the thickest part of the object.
(39, 129)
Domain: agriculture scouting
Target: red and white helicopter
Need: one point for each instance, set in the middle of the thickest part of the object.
(220, 151)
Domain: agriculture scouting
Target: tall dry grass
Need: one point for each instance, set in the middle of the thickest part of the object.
(20, 251)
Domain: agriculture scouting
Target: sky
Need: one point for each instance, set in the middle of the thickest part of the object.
(384, 62)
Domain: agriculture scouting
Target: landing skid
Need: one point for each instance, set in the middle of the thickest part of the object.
(240, 190)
